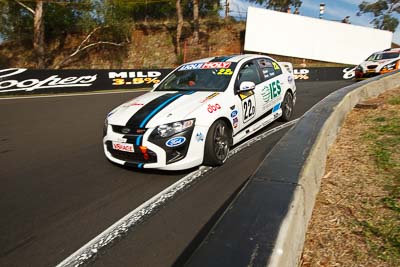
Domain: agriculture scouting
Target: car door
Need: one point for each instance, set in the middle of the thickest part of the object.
(246, 101)
(272, 86)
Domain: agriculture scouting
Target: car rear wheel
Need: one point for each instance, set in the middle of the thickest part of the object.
(287, 107)
(217, 144)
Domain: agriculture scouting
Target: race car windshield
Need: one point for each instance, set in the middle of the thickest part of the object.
(208, 76)
(381, 56)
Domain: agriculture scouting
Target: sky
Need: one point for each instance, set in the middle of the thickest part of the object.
(334, 10)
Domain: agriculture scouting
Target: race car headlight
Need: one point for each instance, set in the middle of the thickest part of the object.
(166, 130)
(390, 66)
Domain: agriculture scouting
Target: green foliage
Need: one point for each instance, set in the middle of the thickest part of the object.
(382, 229)
(383, 13)
(15, 22)
(395, 101)
(279, 5)
(81, 16)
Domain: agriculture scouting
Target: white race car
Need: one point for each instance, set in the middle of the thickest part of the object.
(196, 113)
(379, 63)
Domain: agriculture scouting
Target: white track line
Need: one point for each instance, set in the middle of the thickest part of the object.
(72, 94)
(128, 222)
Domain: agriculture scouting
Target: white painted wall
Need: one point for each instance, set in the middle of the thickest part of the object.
(286, 34)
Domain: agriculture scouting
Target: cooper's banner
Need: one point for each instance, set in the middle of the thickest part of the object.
(22, 81)
(19, 80)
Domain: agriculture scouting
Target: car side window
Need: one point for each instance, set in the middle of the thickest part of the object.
(269, 68)
(249, 73)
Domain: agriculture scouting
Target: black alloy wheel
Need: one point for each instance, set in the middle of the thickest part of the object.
(287, 107)
(217, 144)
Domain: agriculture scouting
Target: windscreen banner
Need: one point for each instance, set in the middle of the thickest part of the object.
(14, 81)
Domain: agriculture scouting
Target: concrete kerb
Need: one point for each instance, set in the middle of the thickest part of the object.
(290, 241)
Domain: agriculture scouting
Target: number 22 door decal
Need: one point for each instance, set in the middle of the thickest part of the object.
(248, 108)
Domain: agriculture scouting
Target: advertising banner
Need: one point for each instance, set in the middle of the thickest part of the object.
(19, 80)
(16, 81)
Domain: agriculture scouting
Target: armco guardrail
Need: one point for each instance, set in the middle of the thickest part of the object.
(28, 81)
(266, 224)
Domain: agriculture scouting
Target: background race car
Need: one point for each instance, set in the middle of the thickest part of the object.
(379, 63)
(196, 113)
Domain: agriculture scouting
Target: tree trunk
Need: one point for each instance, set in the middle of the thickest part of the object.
(196, 21)
(179, 27)
(38, 33)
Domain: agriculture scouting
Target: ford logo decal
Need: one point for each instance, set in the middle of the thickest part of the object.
(234, 113)
(176, 141)
(125, 130)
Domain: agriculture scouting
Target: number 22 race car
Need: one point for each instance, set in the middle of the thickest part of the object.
(196, 113)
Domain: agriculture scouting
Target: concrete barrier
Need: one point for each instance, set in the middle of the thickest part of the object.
(314, 167)
(266, 224)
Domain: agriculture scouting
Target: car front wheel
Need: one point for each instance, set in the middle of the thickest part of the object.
(287, 107)
(217, 144)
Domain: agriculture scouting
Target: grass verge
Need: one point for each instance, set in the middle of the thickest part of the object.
(356, 218)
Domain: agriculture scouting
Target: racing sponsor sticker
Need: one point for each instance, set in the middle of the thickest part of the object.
(209, 97)
(225, 72)
(266, 94)
(276, 107)
(212, 108)
(206, 65)
(245, 94)
(176, 141)
(123, 147)
(276, 66)
(235, 122)
(200, 137)
(234, 113)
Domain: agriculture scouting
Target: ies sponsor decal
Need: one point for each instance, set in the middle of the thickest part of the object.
(8, 84)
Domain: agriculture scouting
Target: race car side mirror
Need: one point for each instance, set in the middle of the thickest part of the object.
(247, 86)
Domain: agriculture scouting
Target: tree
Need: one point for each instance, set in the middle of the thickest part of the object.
(279, 5)
(37, 20)
(179, 27)
(38, 30)
(383, 11)
(196, 21)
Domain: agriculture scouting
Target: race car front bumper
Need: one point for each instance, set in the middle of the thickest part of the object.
(157, 153)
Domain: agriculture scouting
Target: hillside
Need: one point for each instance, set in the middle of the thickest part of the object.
(150, 45)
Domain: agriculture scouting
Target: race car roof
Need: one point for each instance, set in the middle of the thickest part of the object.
(231, 58)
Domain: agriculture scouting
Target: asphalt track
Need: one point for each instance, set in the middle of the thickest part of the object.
(57, 190)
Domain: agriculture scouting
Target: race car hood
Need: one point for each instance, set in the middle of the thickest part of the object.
(378, 63)
(156, 108)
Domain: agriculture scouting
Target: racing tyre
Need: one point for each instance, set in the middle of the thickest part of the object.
(287, 107)
(217, 144)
